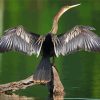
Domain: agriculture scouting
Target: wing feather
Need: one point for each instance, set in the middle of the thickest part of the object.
(79, 38)
(18, 39)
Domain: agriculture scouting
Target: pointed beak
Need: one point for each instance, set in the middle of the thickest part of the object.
(69, 7)
(74, 5)
(65, 8)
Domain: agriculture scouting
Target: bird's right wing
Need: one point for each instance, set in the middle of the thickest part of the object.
(79, 38)
(18, 39)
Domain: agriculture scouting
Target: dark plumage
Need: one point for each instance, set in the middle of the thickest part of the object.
(50, 45)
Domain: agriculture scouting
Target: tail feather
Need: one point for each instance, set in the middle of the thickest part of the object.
(43, 72)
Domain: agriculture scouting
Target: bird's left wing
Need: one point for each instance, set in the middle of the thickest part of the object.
(18, 39)
(79, 38)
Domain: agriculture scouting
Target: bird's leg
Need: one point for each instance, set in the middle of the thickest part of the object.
(55, 86)
(53, 61)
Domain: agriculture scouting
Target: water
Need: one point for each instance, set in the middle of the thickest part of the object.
(79, 72)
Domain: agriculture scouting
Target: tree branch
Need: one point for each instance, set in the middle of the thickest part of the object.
(13, 86)
(23, 84)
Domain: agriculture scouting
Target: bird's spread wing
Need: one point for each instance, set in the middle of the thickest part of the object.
(18, 39)
(79, 38)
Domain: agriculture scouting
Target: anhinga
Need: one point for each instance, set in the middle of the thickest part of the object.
(50, 45)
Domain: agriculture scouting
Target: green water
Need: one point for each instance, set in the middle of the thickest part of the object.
(79, 72)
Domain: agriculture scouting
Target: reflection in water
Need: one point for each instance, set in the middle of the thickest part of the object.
(14, 97)
(17, 97)
(55, 97)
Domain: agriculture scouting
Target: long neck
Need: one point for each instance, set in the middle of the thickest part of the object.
(57, 17)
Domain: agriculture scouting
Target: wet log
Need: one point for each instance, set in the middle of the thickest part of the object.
(56, 88)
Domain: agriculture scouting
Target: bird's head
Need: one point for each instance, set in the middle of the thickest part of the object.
(58, 15)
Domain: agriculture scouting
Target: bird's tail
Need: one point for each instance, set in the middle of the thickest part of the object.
(43, 71)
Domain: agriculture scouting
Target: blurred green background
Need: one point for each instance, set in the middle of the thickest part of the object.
(79, 72)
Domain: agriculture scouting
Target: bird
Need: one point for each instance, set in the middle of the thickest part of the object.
(50, 45)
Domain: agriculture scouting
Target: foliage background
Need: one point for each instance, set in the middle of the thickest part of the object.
(79, 72)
